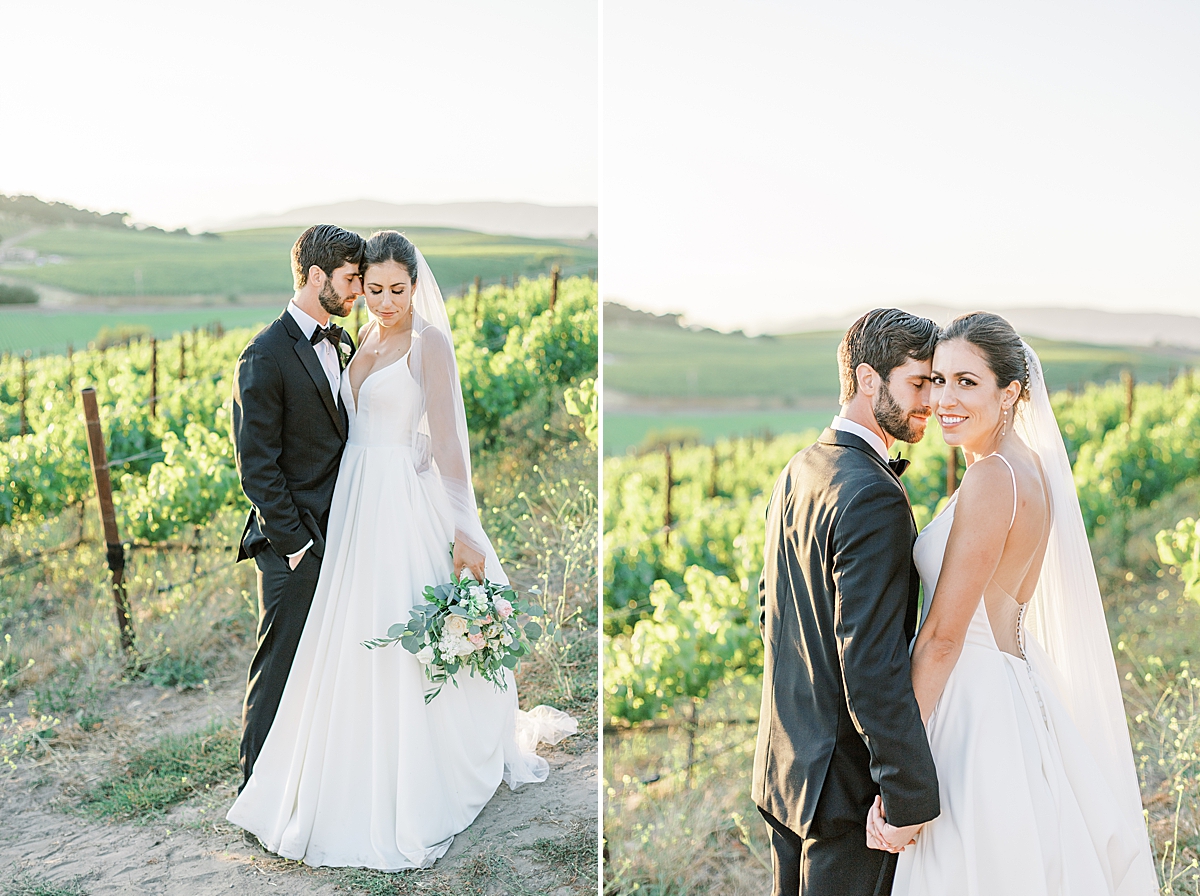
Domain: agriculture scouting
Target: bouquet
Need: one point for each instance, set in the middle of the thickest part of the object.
(484, 627)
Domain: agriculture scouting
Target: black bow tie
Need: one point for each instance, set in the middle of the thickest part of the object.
(898, 465)
(332, 332)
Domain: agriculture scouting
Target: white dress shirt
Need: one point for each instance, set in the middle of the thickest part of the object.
(871, 438)
(326, 353)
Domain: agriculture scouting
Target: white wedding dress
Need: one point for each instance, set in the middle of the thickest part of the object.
(357, 770)
(1026, 809)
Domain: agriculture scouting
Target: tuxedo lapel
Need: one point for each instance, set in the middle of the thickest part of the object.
(308, 357)
(844, 439)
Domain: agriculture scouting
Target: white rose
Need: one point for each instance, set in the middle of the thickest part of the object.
(425, 655)
(457, 626)
(506, 639)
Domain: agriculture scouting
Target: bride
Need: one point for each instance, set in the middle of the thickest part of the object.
(1012, 666)
(357, 770)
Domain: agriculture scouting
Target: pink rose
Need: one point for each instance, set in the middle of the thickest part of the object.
(503, 607)
(476, 640)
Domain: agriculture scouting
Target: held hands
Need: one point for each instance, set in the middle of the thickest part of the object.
(883, 836)
(466, 557)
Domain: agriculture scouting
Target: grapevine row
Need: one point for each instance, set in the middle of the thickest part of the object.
(680, 579)
(172, 464)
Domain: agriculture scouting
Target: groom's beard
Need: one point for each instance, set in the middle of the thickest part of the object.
(331, 301)
(893, 419)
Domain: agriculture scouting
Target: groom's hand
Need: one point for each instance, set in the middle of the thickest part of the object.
(294, 559)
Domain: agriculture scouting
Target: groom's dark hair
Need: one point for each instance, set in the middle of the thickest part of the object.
(884, 338)
(328, 247)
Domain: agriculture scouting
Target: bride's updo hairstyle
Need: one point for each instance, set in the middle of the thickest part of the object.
(999, 344)
(391, 245)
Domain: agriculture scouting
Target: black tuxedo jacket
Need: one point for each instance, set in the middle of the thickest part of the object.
(838, 608)
(288, 436)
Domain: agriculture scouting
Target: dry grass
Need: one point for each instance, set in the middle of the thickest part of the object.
(70, 728)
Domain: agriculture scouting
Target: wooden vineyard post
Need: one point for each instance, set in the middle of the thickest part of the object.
(71, 371)
(951, 471)
(182, 355)
(691, 730)
(153, 377)
(712, 485)
(24, 393)
(478, 286)
(553, 287)
(1127, 379)
(668, 520)
(108, 518)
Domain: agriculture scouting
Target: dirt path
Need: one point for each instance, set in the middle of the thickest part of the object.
(193, 850)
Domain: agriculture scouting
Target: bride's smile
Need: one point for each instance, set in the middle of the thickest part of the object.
(974, 412)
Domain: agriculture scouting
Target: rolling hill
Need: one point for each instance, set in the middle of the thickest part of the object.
(89, 265)
(576, 222)
(659, 375)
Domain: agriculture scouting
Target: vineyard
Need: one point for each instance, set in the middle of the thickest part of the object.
(684, 528)
(167, 430)
(527, 355)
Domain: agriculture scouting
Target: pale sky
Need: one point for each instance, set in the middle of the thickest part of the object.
(771, 161)
(186, 114)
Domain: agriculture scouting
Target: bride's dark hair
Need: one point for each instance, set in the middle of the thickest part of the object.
(391, 245)
(999, 343)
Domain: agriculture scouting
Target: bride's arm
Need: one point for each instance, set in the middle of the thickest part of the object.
(450, 453)
(973, 552)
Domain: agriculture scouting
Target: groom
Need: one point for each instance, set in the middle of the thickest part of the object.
(838, 599)
(289, 430)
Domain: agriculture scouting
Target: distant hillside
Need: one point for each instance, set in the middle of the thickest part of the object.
(1068, 324)
(509, 218)
(29, 211)
(651, 360)
(80, 265)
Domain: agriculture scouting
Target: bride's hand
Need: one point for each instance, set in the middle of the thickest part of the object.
(884, 836)
(466, 557)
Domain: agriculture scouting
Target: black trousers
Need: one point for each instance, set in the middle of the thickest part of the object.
(832, 860)
(284, 596)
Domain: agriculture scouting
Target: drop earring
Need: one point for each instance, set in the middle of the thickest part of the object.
(1004, 423)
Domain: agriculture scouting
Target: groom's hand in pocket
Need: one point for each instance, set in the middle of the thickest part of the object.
(294, 559)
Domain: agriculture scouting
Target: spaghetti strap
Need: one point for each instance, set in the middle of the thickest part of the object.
(1013, 474)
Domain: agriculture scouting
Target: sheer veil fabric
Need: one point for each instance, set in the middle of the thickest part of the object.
(442, 438)
(442, 442)
(1066, 616)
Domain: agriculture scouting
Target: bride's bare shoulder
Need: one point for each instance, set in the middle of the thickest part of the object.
(988, 483)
